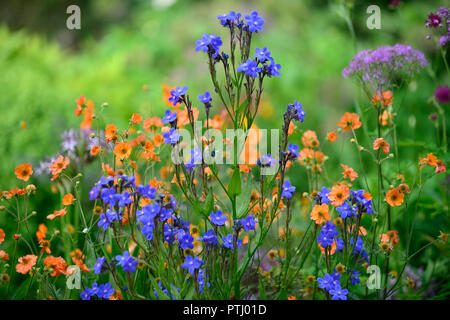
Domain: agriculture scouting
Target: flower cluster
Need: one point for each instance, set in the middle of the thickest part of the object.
(332, 285)
(378, 70)
(439, 22)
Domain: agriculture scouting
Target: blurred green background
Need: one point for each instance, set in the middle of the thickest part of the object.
(124, 45)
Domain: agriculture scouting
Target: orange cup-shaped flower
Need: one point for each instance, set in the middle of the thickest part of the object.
(332, 136)
(349, 121)
(26, 263)
(338, 194)
(68, 199)
(380, 143)
(320, 213)
(24, 171)
(122, 150)
(110, 131)
(349, 172)
(136, 118)
(395, 197)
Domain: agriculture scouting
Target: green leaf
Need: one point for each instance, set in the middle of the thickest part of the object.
(234, 188)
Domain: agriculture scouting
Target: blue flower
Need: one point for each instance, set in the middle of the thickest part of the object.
(94, 290)
(346, 210)
(323, 195)
(127, 262)
(148, 191)
(192, 264)
(209, 238)
(105, 291)
(262, 54)
(273, 69)
(196, 158)
(186, 240)
(254, 22)
(228, 242)
(171, 137)
(227, 20)
(249, 223)
(85, 295)
(205, 98)
(339, 244)
(338, 293)
(217, 218)
(169, 116)
(207, 42)
(94, 193)
(325, 239)
(288, 190)
(124, 199)
(250, 67)
(265, 161)
(325, 282)
(299, 113)
(99, 266)
(201, 280)
(355, 278)
(293, 149)
(176, 94)
(165, 214)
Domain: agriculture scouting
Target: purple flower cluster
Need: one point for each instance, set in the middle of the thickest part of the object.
(440, 23)
(127, 262)
(177, 95)
(171, 137)
(379, 69)
(265, 161)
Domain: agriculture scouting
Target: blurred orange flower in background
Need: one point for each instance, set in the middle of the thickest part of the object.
(349, 172)
(57, 213)
(58, 166)
(68, 199)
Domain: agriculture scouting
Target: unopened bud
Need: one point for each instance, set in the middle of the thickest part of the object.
(352, 140)
(105, 105)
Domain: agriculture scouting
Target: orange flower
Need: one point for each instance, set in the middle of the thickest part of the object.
(404, 188)
(88, 115)
(309, 139)
(122, 150)
(320, 213)
(152, 123)
(349, 173)
(26, 263)
(110, 132)
(338, 194)
(78, 259)
(332, 136)
(68, 199)
(24, 171)
(291, 128)
(349, 121)
(95, 150)
(56, 265)
(80, 103)
(42, 231)
(386, 98)
(58, 166)
(2, 235)
(385, 118)
(331, 251)
(381, 143)
(136, 118)
(4, 256)
(45, 245)
(57, 213)
(430, 159)
(394, 197)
